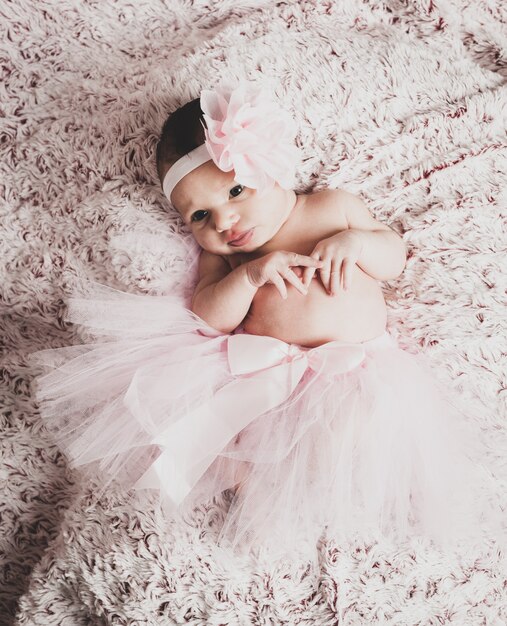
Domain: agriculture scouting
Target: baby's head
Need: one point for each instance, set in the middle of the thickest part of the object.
(181, 133)
(224, 215)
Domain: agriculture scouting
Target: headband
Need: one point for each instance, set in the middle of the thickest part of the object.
(183, 166)
(246, 132)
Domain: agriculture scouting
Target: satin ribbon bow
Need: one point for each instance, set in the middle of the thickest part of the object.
(267, 371)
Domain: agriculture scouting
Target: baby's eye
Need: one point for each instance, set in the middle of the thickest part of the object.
(198, 216)
(235, 191)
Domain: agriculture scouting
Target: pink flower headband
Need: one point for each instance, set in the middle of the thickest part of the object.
(246, 132)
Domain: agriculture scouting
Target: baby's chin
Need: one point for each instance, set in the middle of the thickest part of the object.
(230, 251)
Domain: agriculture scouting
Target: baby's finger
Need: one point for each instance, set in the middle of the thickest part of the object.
(307, 276)
(280, 285)
(335, 276)
(347, 268)
(295, 281)
(311, 268)
(309, 261)
(325, 271)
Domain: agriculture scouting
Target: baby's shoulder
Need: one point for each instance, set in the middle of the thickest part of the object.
(327, 205)
(328, 198)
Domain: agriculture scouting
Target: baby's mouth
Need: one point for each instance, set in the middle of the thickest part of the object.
(242, 240)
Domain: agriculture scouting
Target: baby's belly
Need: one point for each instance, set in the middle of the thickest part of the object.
(357, 314)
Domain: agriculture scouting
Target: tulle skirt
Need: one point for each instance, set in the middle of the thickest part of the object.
(345, 439)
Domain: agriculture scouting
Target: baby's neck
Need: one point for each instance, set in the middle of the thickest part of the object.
(293, 205)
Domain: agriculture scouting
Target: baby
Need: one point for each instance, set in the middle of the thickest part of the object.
(311, 405)
(304, 268)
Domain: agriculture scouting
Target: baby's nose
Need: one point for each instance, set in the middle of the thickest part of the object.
(225, 223)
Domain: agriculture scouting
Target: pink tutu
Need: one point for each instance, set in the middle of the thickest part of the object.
(346, 438)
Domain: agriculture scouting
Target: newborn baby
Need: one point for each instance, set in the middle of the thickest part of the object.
(301, 268)
(313, 415)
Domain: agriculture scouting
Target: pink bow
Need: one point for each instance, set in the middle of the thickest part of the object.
(267, 371)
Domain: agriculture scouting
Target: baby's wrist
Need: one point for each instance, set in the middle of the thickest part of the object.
(247, 277)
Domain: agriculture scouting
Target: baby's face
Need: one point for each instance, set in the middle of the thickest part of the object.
(226, 217)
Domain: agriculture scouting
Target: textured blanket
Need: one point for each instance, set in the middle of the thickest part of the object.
(400, 101)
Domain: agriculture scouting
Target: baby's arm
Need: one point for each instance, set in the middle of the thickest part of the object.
(384, 253)
(375, 247)
(222, 297)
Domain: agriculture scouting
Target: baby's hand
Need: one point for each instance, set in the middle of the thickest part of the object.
(339, 254)
(275, 268)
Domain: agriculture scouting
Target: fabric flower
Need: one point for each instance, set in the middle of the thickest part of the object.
(250, 134)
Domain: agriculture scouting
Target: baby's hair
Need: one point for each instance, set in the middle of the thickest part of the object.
(182, 131)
